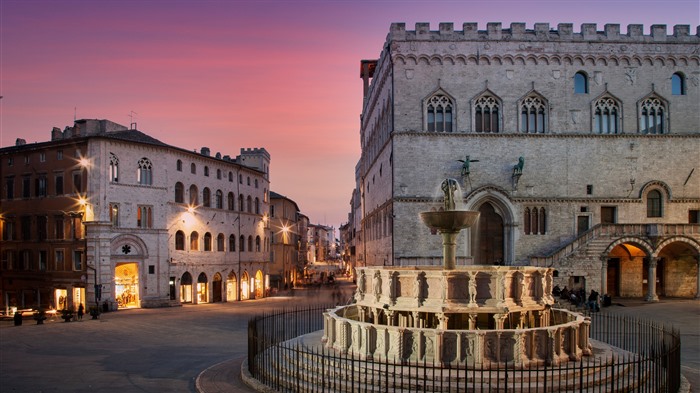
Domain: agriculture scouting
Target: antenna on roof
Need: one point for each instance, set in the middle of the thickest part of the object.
(75, 113)
(132, 123)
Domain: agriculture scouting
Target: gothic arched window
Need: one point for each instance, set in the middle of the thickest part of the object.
(652, 113)
(439, 113)
(144, 175)
(113, 168)
(533, 115)
(486, 114)
(606, 116)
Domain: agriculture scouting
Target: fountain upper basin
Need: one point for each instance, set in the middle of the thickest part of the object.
(449, 220)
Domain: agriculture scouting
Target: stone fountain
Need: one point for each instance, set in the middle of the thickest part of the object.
(480, 314)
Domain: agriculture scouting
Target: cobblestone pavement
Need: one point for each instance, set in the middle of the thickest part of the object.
(200, 348)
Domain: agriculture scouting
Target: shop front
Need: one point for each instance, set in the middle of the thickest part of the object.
(126, 285)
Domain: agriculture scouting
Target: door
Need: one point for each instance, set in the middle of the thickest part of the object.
(490, 236)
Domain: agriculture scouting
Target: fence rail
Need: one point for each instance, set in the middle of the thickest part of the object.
(645, 358)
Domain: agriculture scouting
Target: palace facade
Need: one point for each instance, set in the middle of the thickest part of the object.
(580, 149)
(106, 214)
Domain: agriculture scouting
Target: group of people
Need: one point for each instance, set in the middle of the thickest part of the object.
(578, 297)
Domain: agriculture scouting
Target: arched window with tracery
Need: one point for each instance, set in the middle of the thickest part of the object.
(486, 114)
(533, 115)
(249, 201)
(535, 221)
(652, 113)
(438, 113)
(240, 203)
(606, 116)
(113, 168)
(257, 205)
(257, 243)
(232, 243)
(250, 243)
(144, 175)
(241, 243)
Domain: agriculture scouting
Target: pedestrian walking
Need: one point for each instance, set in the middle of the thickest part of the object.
(81, 311)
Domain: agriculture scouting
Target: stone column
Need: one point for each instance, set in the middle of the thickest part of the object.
(603, 275)
(697, 293)
(500, 320)
(651, 280)
(443, 319)
(472, 321)
(368, 344)
(416, 319)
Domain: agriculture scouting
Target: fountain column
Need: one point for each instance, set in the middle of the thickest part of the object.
(449, 248)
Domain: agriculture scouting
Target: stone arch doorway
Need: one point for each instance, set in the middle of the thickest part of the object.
(492, 240)
(186, 288)
(677, 270)
(490, 232)
(627, 270)
(202, 293)
(231, 287)
(245, 286)
(259, 285)
(216, 288)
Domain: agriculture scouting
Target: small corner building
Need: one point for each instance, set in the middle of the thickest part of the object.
(578, 146)
(106, 214)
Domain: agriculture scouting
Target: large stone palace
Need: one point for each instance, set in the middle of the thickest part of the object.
(580, 149)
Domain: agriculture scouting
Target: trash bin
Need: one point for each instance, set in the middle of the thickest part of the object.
(18, 318)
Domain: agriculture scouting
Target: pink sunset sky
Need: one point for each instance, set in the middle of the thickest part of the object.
(283, 75)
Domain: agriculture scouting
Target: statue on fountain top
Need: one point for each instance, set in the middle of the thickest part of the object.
(449, 186)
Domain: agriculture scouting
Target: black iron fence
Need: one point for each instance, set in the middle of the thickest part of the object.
(645, 358)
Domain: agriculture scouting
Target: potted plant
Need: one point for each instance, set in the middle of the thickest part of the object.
(40, 316)
(94, 312)
(67, 314)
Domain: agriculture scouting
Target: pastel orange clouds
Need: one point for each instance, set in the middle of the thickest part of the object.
(283, 75)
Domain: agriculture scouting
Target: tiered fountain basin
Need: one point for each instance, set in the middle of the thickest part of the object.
(485, 315)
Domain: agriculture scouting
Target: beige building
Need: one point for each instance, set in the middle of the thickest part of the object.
(580, 150)
(284, 222)
(156, 225)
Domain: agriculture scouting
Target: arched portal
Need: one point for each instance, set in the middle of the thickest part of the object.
(231, 287)
(490, 236)
(627, 271)
(259, 285)
(677, 269)
(186, 288)
(126, 284)
(202, 295)
(216, 285)
(245, 286)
